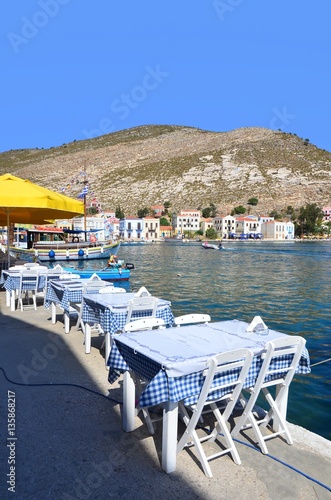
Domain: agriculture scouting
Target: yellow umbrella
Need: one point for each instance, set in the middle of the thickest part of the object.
(23, 201)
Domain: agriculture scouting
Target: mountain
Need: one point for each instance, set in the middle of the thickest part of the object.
(189, 167)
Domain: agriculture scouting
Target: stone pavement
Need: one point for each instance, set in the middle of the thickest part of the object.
(70, 443)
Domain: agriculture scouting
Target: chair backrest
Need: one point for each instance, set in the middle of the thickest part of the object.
(144, 324)
(112, 289)
(34, 280)
(147, 305)
(187, 319)
(275, 369)
(235, 365)
(94, 277)
(69, 276)
(94, 286)
(143, 292)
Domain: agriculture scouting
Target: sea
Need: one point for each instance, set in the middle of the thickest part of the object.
(287, 283)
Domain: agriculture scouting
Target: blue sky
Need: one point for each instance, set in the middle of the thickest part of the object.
(75, 69)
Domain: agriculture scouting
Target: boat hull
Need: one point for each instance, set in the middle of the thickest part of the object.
(209, 246)
(113, 274)
(65, 253)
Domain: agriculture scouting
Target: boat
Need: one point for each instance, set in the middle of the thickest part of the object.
(52, 244)
(119, 272)
(207, 245)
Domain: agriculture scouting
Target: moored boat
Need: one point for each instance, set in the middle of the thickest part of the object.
(119, 273)
(50, 244)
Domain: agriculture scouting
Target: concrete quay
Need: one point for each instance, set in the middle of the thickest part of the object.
(70, 443)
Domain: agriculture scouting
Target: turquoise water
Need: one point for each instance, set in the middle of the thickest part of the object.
(286, 283)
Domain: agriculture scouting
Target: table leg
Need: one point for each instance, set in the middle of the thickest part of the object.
(53, 309)
(12, 300)
(129, 407)
(8, 298)
(66, 322)
(169, 436)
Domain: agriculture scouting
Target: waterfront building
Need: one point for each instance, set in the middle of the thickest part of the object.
(225, 225)
(278, 230)
(186, 221)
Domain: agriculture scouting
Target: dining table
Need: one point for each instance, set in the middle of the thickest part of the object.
(10, 280)
(172, 360)
(110, 312)
(65, 294)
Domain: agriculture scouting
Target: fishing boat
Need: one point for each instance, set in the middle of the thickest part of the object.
(53, 244)
(120, 272)
(207, 245)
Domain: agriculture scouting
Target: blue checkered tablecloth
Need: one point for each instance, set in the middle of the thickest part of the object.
(11, 282)
(110, 312)
(64, 293)
(163, 386)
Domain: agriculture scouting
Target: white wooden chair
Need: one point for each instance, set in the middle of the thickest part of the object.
(103, 288)
(27, 298)
(189, 319)
(273, 373)
(92, 285)
(136, 326)
(216, 378)
(142, 304)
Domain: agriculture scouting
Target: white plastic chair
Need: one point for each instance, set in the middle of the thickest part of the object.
(189, 319)
(141, 325)
(273, 373)
(142, 304)
(216, 379)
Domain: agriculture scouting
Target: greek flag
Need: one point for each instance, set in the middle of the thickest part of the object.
(83, 193)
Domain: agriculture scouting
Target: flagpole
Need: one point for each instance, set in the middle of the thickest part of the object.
(85, 216)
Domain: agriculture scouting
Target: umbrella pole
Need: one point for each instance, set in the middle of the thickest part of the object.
(8, 255)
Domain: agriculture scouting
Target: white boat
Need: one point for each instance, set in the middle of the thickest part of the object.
(207, 245)
(51, 244)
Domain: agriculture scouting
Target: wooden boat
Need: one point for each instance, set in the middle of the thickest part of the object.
(118, 273)
(207, 245)
(51, 244)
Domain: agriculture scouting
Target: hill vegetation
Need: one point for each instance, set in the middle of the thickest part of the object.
(189, 167)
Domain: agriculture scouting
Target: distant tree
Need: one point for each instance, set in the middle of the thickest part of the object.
(199, 232)
(309, 218)
(276, 215)
(164, 221)
(213, 210)
(166, 205)
(211, 233)
(253, 201)
(92, 211)
(238, 210)
(119, 213)
(209, 211)
(142, 212)
(206, 212)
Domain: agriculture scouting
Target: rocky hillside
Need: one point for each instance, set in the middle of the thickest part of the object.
(186, 166)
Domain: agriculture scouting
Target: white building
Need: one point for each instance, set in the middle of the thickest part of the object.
(225, 225)
(131, 228)
(278, 230)
(248, 225)
(145, 228)
(151, 228)
(186, 221)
